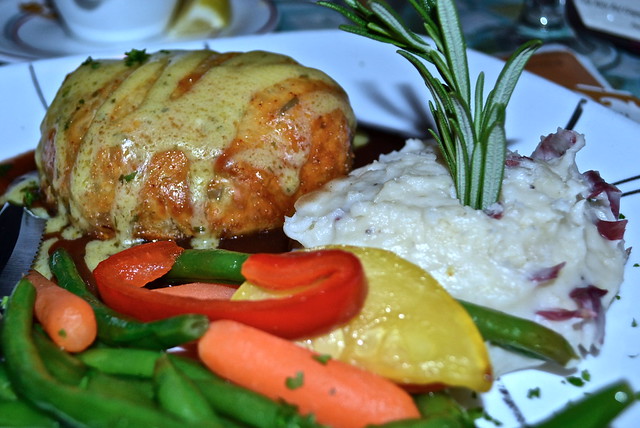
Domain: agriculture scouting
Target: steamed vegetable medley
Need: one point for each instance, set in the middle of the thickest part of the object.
(84, 363)
(340, 334)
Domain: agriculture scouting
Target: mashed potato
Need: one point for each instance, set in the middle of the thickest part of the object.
(550, 250)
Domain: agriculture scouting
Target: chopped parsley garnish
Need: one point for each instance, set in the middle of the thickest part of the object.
(296, 381)
(575, 381)
(91, 63)
(135, 56)
(127, 178)
(584, 377)
(533, 393)
(322, 358)
(31, 194)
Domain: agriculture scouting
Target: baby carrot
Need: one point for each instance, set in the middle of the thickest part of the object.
(68, 319)
(338, 394)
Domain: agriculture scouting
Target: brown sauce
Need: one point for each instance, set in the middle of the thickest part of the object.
(275, 241)
(270, 241)
(380, 142)
(77, 250)
(12, 168)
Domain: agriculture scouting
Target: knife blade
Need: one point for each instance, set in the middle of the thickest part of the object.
(10, 218)
(29, 230)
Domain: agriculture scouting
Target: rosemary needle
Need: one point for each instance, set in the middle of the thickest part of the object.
(470, 131)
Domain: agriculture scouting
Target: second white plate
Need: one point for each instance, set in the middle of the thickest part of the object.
(27, 36)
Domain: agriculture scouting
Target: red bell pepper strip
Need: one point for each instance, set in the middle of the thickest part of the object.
(200, 290)
(333, 289)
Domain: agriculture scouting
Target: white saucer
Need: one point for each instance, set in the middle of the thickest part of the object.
(29, 35)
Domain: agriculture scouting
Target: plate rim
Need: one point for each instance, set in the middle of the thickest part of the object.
(13, 49)
(592, 108)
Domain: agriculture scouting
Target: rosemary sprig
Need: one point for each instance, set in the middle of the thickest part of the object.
(470, 131)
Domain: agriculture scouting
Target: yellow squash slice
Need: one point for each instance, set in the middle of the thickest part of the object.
(410, 329)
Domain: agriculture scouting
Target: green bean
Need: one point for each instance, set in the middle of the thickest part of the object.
(442, 404)
(63, 366)
(230, 423)
(226, 399)
(507, 331)
(117, 329)
(438, 410)
(431, 422)
(179, 395)
(137, 390)
(233, 401)
(72, 370)
(6, 390)
(1, 329)
(520, 335)
(70, 404)
(121, 361)
(208, 265)
(595, 410)
(21, 414)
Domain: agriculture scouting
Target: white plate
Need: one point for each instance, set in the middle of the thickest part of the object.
(385, 90)
(30, 36)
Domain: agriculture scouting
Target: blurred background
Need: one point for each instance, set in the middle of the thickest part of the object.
(590, 46)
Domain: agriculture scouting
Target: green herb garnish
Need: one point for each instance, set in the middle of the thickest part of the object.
(584, 377)
(30, 194)
(128, 177)
(296, 381)
(533, 393)
(470, 130)
(91, 63)
(135, 56)
(575, 381)
(322, 358)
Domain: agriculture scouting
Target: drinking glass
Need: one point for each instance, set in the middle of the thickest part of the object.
(544, 20)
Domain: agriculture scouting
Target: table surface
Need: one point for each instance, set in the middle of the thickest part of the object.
(619, 77)
(476, 15)
(616, 84)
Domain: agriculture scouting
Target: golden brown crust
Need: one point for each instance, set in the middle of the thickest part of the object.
(192, 144)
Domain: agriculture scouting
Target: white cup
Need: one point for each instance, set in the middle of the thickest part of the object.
(112, 21)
